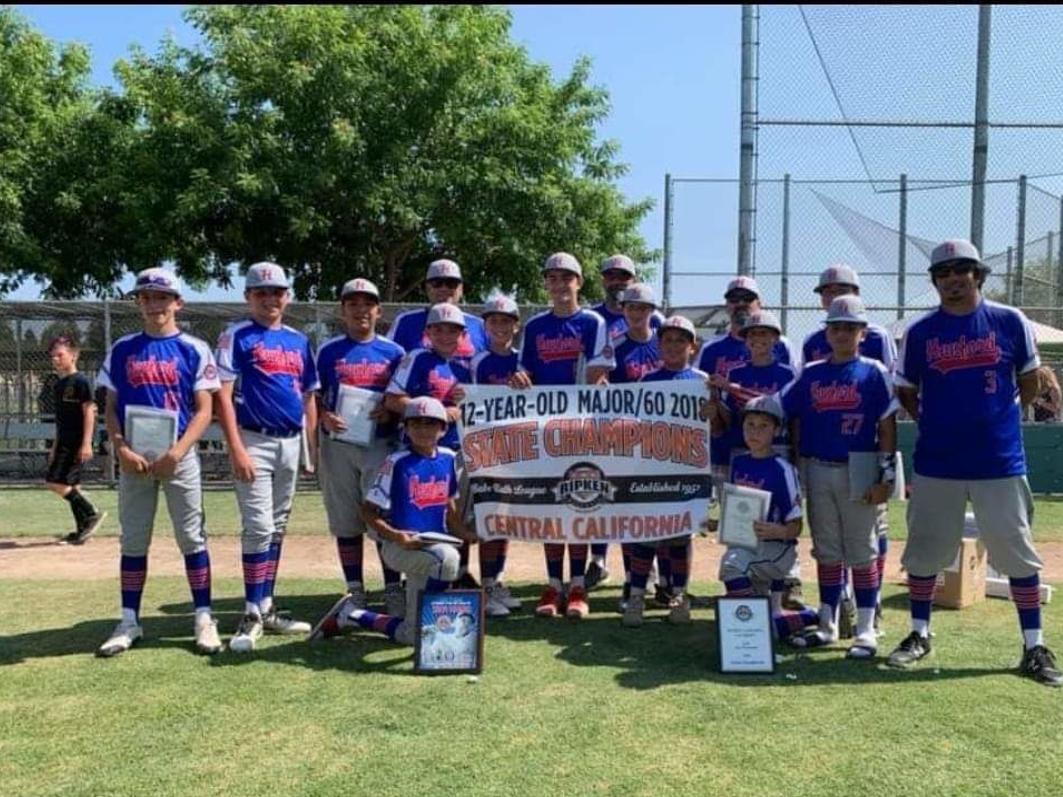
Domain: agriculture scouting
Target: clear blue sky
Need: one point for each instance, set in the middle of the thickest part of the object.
(672, 73)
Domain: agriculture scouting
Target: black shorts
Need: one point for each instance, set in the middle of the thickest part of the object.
(64, 467)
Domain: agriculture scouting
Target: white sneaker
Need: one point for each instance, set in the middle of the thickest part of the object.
(504, 595)
(394, 600)
(121, 639)
(206, 629)
(275, 622)
(495, 607)
(247, 634)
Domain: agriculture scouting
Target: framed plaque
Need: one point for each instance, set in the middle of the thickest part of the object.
(150, 431)
(740, 507)
(743, 635)
(354, 405)
(449, 636)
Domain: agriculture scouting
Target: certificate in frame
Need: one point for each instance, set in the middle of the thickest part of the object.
(739, 508)
(743, 635)
(150, 431)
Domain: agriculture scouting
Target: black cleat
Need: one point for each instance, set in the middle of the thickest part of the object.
(1039, 663)
(467, 582)
(597, 576)
(912, 648)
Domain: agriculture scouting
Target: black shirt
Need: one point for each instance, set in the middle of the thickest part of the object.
(70, 393)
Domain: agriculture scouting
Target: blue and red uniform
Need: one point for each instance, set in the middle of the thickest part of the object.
(368, 365)
(408, 330)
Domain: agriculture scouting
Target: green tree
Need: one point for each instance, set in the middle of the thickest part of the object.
(342, 140)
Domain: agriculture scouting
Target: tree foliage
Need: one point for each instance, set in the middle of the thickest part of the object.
(338, 141)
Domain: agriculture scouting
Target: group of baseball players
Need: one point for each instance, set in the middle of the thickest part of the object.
(781, 424)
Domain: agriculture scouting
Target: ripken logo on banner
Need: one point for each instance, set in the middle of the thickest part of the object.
(584, 487)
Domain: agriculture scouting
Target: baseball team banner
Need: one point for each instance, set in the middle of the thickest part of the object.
(584, 464)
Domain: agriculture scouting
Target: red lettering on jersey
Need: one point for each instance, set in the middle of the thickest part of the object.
(362, 374)
(834, 396)
(745, 481)
(434, 492)
(963, 353)
(440, 386)
(635, 370)
(141, 373)
(552, 350)
(277, 361)
(724, 366)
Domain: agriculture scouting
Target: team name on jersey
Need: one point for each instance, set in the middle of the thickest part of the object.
(724, 366)
(439, 385)
(152, 371)
(746, 481)
(557, 349)
(635, 371)
(963, 353)
(362, 374)
(277, 361)
(834, 396)
(434, 492)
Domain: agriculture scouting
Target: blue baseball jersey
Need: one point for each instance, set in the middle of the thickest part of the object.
(634, 359)
(365, 364)
(721, 354)
(663, 374)
(966, 370)
(558, 351)
(163, 373)
(616, 323)
(877, 344)
(775, 475)
(754, 380)
(408, 330)
(273, 369)
(423, 372)
(412, 491)
(839, 407)
(489, 368)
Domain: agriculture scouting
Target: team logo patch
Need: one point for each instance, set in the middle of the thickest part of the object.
(210, 372)
(743, 613)
(584, 487)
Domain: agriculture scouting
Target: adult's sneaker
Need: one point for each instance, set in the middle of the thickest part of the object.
(121, 639)
(247, 634)
(1039, 663)
(549, 603)
(329, 625)
(88, 528)
(394, 600)
(912, 648)
(206, 629)
(495, 607)
(577, 604)
(278, 622)
(597, 576)
(504, 595)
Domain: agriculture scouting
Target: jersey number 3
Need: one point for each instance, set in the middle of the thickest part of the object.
(990, 381)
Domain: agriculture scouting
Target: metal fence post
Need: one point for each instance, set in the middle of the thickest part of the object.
(980, 150)
(667, 277)
(1050, 252)
(902, 246)
(1007, 278)
(784, 276)
(1020, 243)
(748, 145)
(1059, 270)
(18, 370)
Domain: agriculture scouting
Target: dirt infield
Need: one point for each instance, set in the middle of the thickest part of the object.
(315, 557)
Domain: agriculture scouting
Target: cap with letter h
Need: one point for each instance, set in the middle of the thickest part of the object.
(563, 261)
(443, 270)
(639, 293)
(266, 275)
(426, 407)
(837, 274)
(847, 310)
(765, 405)
(682, 323)
(742, 283)
(618, 263)
(359, 285)
(157, 279)
(956, 250)
(501, 305)
(445, 314)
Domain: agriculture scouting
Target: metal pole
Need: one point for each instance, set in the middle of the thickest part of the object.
(667, 286)
(1059, 270)
(1007, 277)
(111, 465)
(980, 154)
(1020, 243)
(748, 147)
(18, 370)
(902, 245)
(784, 281)
(1050, 252)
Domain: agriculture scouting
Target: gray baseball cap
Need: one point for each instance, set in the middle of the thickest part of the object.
(837, 274)
(445, 314)
(157, 279)
(681, 323)
(618, 263)
(847, 310)
(954, 250)
(640, 292)
(563, 261)
(359, 285)
(426, 407)
(501, 305)
(767, 405)
(443, 270)
(266, 275)
(762, 319)
(742, 283)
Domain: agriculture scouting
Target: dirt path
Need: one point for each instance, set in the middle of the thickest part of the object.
(315, 557)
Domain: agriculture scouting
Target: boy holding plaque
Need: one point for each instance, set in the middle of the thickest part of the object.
(842, 415)
(496, 366)
(409, 508)
(159, 384)
(761, 565)
(359, 365)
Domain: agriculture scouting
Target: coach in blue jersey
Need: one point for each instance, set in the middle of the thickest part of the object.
(268, 380)
(966, 369)
(444, 285)
(618, 274)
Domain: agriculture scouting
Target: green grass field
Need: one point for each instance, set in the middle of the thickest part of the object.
(561, 708)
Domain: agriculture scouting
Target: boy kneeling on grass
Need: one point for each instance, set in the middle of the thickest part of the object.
(414, 493)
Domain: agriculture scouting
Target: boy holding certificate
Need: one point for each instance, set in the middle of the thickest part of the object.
(761, 565)
(358, 365)
(842, 414)
(409, 508)
(159, 384)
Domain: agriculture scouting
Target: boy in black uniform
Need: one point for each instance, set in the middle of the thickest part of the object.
(75, 423)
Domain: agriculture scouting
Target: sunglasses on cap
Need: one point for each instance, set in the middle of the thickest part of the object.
(445, 282)
(959, 267)
(741, 297)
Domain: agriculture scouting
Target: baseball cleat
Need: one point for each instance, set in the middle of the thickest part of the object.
(633, 609)
(504, 595)
(467, 581)
(89, 528)
(1039, 664)
(577, 604)
(358, 598)
(549, 603)
(121, 639)
(394, 600)
(247, 634)
(278, 622)
(662, 596)
(495, 607)
(206, 630)
(912, 648)
(597, 576)
(679, 610)
(329, 625)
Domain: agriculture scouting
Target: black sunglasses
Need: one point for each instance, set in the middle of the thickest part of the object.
(446, 282)
(741, 297)
(959, 268)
